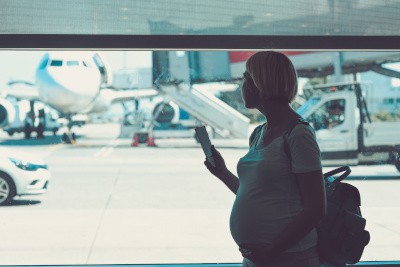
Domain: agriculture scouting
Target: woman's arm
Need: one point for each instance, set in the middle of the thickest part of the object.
(230, 180)
(312, 189)
(221, 171)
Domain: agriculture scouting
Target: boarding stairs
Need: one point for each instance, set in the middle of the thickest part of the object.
(225, 120)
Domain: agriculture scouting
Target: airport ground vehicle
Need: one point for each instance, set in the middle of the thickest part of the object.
(30, 119)
(27, 127)
(344, 129)
(21, 174)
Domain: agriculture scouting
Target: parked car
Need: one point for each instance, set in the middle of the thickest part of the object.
(21, 174)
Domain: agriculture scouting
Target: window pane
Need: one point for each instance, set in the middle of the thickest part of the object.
(255, 17)
(114, 198)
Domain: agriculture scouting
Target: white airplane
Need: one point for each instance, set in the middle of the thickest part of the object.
(72, 83)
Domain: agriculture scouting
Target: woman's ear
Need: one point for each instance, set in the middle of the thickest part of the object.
(253, 87)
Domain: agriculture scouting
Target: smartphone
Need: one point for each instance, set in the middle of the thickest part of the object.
(205, 143)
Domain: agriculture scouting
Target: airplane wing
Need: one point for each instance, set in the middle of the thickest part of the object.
(22, 90)
(120, 96)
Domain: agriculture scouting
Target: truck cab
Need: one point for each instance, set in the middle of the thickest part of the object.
(344, 129)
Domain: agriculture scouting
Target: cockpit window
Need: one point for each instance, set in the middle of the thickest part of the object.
(72, 63)
(56, 63)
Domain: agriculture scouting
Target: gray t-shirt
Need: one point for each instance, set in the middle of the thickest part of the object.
(268, 197)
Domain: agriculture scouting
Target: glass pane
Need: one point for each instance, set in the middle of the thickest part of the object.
(115, 198)
(255, 17)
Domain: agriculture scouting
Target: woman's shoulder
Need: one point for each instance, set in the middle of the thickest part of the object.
(302, 129)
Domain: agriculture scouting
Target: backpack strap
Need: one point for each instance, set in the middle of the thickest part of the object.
(345, 169)
(286, 147)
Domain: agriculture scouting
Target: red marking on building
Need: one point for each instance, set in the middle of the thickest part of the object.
(240, 56)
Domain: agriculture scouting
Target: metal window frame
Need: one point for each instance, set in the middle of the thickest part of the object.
(196, 42)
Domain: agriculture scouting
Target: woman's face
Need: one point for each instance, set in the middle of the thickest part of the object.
(250, 93)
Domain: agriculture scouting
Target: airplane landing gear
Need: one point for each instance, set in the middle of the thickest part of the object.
(69, 138)
(40, 131)
(27, 131)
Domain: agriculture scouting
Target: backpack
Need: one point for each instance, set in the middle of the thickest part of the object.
(341, 234)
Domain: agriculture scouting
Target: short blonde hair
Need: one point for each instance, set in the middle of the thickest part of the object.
(273, 74)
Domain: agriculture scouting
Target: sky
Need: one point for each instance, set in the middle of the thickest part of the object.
(21, 65)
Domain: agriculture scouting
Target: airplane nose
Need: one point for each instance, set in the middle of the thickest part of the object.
(69, 91)
(82, 84)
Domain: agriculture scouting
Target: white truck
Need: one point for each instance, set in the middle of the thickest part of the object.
(344, 130)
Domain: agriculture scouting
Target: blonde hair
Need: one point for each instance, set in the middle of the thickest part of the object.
(273, 74)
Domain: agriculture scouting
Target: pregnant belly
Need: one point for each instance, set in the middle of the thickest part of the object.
(257, 222)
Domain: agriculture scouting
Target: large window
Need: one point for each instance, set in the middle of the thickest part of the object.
(179, 24)
(119, 197)
(255, 17)
(102, 156)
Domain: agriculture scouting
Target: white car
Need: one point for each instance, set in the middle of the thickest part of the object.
(21, 174)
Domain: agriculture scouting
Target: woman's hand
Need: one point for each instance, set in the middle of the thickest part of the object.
(220, 168)
(257, 253)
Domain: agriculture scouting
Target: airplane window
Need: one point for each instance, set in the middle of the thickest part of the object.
(56, 63)
(72, 63)
(112, 174)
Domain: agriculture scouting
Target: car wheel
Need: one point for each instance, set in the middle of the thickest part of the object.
(40, 131)
(7, 189)
(397, 164)
(395, 159)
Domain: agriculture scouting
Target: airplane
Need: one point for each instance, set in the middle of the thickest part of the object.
(77, 82)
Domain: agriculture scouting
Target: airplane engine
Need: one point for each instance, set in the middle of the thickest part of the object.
(7, 113)
(169, 113)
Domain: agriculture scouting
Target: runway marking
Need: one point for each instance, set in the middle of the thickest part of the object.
(108, 149)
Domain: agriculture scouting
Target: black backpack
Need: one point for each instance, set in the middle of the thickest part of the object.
(341, 234)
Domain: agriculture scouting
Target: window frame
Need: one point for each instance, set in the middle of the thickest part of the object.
(197, 42)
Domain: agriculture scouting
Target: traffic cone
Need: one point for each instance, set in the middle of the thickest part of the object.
(135, 140)
(150, 141)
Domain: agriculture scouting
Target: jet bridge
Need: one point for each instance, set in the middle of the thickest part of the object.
(203, 105)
